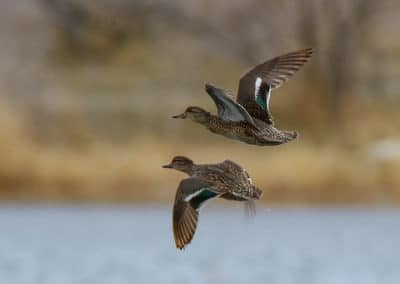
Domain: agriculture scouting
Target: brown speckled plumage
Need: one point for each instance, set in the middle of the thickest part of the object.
(265, 135)
(227, 180)
(249, 119)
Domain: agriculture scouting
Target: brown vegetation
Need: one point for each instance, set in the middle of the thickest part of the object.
(88, 90)
(341, 171)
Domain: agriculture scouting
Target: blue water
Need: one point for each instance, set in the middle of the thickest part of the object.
(134, 245)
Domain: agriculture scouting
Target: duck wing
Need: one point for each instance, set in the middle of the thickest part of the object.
(236, 171)
(228, 109)
(191, 194)
(255, 86)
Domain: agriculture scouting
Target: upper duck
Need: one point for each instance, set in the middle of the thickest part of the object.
(249, 118)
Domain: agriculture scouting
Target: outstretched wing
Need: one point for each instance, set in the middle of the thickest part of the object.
(190, 196)
(255, 86)
(228, 109)
(232, 168)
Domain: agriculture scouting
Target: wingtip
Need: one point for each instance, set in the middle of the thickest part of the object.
(309, 51)
(181, 245)
(208, 86)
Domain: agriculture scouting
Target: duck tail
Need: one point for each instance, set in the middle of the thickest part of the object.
(257, 193)
(291, 135)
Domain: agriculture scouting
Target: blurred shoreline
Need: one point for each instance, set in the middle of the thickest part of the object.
(301, 172)
(87, 91)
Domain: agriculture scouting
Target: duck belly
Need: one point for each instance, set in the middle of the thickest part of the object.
(233, 130)
(230, 196)
(268, 135)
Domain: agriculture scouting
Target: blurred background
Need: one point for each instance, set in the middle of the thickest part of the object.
(87, 89)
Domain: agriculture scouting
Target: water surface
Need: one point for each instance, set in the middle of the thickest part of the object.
(134, 245)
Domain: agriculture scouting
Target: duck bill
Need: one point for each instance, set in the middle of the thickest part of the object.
(182, 116)
(169, 166)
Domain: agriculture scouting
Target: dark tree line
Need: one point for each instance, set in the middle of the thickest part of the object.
(337, 29)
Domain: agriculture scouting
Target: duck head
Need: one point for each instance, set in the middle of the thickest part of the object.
(196, 114)
(180, 163)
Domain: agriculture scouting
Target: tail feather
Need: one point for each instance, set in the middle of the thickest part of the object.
(289, 135)
(257, 193)
(250, 208)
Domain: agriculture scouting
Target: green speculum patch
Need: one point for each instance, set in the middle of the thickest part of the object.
(208, 194)
(261, 102)
(198, 200)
